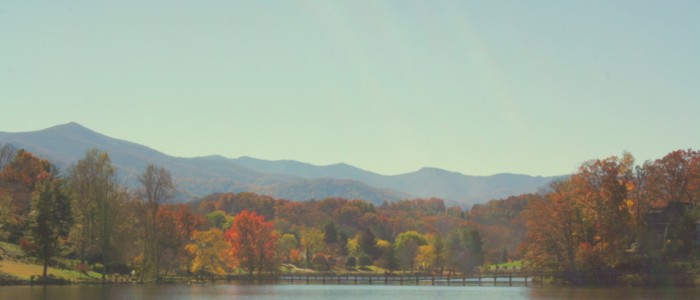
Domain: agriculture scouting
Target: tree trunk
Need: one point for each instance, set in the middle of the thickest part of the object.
(46, 267)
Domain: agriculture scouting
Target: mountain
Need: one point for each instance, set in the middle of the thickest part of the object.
(424, 183)
(195, 177)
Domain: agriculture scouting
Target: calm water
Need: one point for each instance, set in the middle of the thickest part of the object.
(276, 292)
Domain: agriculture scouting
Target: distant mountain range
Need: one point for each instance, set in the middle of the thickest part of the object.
(196, 177)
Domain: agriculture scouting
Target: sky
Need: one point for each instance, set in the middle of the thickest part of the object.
(476, 87)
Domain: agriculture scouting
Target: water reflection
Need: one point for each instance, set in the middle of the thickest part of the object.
(311, 292)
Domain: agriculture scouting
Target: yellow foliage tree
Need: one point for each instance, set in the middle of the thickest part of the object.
(426, 257)
(209, 249)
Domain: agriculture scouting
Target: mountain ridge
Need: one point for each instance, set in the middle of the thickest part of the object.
(198, 176)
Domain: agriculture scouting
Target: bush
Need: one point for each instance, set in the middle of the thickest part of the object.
(350, 262)
(364, 260)
(319, 260)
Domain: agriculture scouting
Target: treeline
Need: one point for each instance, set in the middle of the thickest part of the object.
(87, 218)
(636, 222)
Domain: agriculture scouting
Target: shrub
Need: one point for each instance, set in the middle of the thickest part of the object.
(350, 261)
(364, 260)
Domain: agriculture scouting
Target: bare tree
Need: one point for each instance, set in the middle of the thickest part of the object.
(7, 154)
(156, 189)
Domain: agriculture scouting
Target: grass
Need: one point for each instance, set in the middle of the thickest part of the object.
(13, 266)
(24, 271)
(12, 250)
(509, 265)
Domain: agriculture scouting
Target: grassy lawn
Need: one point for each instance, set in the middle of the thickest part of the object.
(508, 265)
(24, 271)
(12, 250)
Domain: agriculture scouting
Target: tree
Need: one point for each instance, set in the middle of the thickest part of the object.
(584, 225)
(474, 247)
(98, 206)
(156, 189)
(455, 255)
(426, 257)
(367, 243)
(7, 153)
(330, 235)
(312, 241)
(554, 229)
(287, 242)
(18, 180)
(209, 249)
(253, 242)
(219, 219)
(387, 260)
(407, 244)
(439, 247)
(50, 220)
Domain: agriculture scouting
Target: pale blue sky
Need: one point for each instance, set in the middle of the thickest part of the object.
(478, 87)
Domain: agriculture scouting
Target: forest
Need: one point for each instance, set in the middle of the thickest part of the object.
(636, 222)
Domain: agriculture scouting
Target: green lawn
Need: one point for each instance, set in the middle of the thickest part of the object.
(13, 266)
(12, 250)
(509, 265)
(24, 271)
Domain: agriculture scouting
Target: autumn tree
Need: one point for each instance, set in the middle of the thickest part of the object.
(49, 220)
(312, 242)
(407, 246)
(286, 244)
(98, 206)
(387, 259)
(601, 188)
(426, 257)
(18, 180)
(156, 189)
(210, 251)
(584, 224)
(253, 242)
(555, 227)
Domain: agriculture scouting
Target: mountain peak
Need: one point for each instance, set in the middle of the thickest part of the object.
(72, 125)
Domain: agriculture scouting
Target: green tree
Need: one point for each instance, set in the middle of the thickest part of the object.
(439, 247)
(407, 245)
(330, 233)
(474, 246)
(367, 243)
(49, 220)
(220, 219)
(312, 241)
(285, 245)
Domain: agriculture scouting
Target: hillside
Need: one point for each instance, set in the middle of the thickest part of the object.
(196, 177)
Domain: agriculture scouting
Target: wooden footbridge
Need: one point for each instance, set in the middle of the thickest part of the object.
(477, 279)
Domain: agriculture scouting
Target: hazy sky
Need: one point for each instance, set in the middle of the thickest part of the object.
(478, 87)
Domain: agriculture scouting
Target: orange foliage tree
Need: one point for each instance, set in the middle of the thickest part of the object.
(253, 242)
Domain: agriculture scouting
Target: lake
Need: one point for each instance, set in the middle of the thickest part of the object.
(277, 292)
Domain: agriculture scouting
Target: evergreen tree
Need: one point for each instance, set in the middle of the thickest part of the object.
(50, 220)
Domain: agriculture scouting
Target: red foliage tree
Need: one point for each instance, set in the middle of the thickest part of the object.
(253, 242)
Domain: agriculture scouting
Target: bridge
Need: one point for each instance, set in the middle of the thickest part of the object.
(477, 279)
